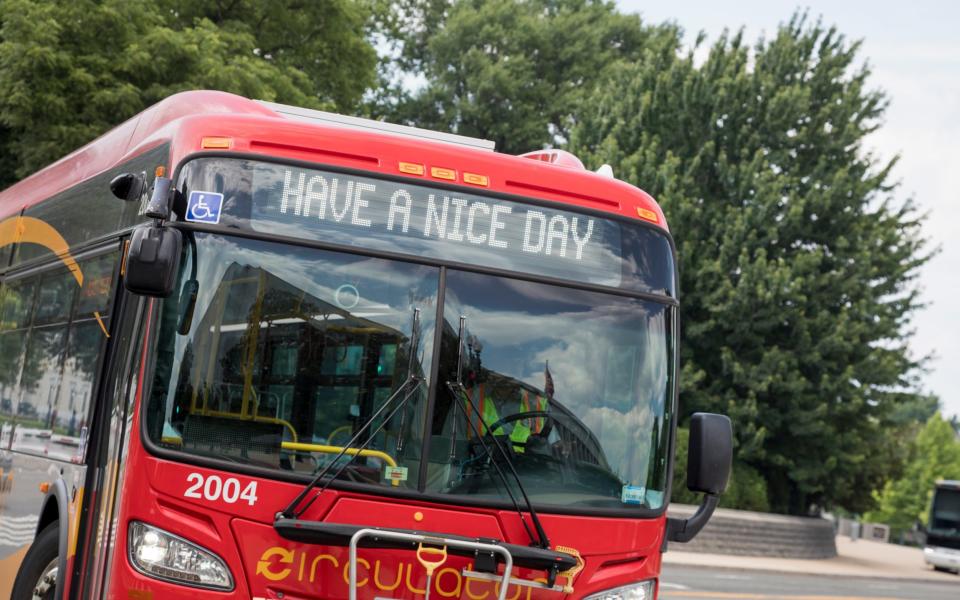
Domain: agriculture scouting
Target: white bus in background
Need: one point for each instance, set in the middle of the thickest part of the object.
(941, 548)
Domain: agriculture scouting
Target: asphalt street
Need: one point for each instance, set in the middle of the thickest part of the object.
(679, 582)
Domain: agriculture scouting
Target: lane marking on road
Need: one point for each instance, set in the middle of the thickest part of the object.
(666, 585)
(17, 531)
(748, 596)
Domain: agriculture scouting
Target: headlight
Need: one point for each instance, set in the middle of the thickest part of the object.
(156, 553)
(642, 590)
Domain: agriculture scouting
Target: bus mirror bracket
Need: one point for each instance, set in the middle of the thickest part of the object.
(684, 530)
(161, 199)
(709, 458)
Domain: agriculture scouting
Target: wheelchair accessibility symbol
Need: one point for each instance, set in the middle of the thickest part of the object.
(204, 207)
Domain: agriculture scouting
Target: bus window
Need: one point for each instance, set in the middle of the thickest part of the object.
(50, 359)
(16, 304)
(290, 351)
(564, 380)
(55, 297)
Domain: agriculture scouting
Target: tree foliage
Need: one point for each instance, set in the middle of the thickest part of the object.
(934, 455)
(515, 72)
(747, 489)
(71, 70)
(798, 260)
(798, 256)
(327, 42)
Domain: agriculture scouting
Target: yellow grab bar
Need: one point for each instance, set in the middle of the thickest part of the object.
(337, 449)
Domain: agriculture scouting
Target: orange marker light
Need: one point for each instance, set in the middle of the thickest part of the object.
(216, 143)
(44, 487)
(160, 171)
(647, 215)
(412, 168)
(442, 173)
(475, 179)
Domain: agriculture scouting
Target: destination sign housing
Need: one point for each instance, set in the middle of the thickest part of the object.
(451, 225)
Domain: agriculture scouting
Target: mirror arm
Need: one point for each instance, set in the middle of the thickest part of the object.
(684, 530)
(161, 200)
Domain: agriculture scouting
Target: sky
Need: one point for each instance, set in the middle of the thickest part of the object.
(913, 49)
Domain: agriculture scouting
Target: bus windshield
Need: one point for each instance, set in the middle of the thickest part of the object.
(287, 351)
(945, 511)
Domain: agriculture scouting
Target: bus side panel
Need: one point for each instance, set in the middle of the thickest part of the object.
(22, 498)
(54, 330)
(102, 523)
(54, 322)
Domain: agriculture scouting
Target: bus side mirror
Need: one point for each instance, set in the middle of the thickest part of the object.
(153, 260)
(710, 453)
(709, 458)
(128, 187)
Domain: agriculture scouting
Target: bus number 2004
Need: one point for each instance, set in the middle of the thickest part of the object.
(213, 488)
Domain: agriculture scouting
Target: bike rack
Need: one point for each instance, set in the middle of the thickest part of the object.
(505, 580)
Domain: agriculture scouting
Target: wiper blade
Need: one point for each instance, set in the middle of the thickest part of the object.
(457, 388)
(294, 510)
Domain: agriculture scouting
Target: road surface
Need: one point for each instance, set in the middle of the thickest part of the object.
(686, 582)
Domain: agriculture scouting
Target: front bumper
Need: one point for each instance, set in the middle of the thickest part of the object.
(946, 558)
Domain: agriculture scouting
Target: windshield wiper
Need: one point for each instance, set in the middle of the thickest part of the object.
(456, 388)
(294, 510)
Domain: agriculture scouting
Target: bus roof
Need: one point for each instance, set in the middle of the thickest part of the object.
(310, 115)
(210, 121)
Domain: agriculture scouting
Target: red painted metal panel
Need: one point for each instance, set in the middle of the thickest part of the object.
(184, 119)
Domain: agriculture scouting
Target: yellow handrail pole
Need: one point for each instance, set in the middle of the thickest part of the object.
(337, 449)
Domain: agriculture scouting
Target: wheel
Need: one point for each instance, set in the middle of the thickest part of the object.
(37, 578)
(947, 570)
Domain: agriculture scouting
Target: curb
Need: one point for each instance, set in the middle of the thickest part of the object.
(746, 533)
(804, 573)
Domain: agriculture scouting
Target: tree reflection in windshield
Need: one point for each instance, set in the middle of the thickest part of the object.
(575, 384)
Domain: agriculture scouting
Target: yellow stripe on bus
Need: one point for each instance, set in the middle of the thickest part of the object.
(20, 230)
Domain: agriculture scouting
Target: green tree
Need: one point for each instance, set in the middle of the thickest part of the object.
(934, 455)
(71, 70)
(515, 72)
(747, 489)
(798, 259)
(326, 41)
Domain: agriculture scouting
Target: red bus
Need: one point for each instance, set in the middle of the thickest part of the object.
(256, 351)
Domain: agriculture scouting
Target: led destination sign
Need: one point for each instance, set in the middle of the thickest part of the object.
(452, 225)
(406, 218)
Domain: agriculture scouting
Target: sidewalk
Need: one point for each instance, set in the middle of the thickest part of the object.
(854, 559)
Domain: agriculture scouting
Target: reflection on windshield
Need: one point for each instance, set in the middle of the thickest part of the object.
(289, 353)
(575, 385)
(291, 350)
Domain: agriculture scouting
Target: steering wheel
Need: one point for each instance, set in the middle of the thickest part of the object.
(531, 414)
(534, 447)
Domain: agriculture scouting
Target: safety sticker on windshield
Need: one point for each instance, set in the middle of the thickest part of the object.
(633, 494)
(395, 474)
(204, 207)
